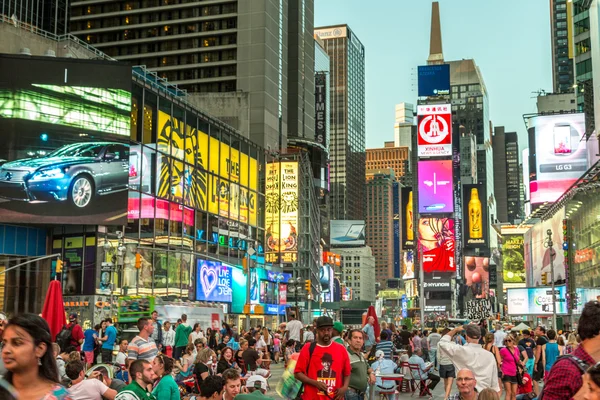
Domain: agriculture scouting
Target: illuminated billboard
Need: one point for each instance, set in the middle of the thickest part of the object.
(513, 262)
(213, 281)
(281, 212)
(435, 187)
(408, 265)
(65, 151)
(557, 155)
(475, 216)
(477, 276)
(407, 220)
(436, 244)
(539, 257)
(434, 80)
(536, 301)
(347, 233)
(434, 127)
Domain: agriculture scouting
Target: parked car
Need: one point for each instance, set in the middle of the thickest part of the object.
(75, 173)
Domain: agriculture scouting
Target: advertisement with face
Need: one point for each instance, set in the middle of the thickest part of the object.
(434, 130)
(536, 301)
(475, 214)
(557, 155)
(435, 187)
(436, 244)
(347, 232)
(541, 256)
(65, 153)
(477, 276)
(213, 281)
(407, 210)
(408, 265)
(513, 262)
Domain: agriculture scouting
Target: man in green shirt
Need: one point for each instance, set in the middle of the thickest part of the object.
(141, 375)
(257, 387)
(182, 334)
(338, 329)
(361, 373)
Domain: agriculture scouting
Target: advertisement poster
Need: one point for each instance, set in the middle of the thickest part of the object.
(541, 256)
(347, 232)
(557, 155)
(281, 212)
(434, 80)
(321, 109)
(538, 301)
(408, 265)
(513, 262)
(475, 216)
(477, 276)
(407, 220)
(435, 187)
(213, 281)
(436, 244)
(65, 128)
(411, 288)
(434, 128)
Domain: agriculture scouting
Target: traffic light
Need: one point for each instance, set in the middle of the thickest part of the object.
(138, 261)
(544, 278)
(307, 286)
(59, 266)
(245, 264)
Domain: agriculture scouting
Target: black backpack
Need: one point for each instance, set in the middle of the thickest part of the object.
(65, 337)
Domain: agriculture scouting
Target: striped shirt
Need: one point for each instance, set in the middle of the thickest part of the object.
(387, 347)
(142, 349)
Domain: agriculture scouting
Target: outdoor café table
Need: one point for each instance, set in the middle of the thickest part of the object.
(385, 377)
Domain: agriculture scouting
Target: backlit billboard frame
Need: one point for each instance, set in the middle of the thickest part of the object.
(347, 232)
(513, 259)
(407, 220)
(477, 276)
(434, 80)
(536, 301)
(436, 187)
(434, 130)
(475, 216)
(436, 244)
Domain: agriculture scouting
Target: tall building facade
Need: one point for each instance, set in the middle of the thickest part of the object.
(379, 218)
(507, 175)
(347, 124)
(388, 156)
(358, 272)
(561, 26)
(241, 59)
(586, 36)
(403, 127)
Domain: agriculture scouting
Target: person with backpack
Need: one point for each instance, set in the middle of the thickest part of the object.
(71, 334)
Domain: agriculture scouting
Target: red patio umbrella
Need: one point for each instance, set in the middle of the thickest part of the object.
(371, 313)
(54, 309)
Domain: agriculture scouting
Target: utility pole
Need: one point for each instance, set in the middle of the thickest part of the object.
(549, 244)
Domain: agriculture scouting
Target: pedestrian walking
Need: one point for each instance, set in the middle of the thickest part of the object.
(142, 347)
(432, 340)
(369, 331)
(168, 339)
(510, 364)
(181, 337)
(157, 333)
(539, 364)
(108, 341)
(361, 373)
(446, 368)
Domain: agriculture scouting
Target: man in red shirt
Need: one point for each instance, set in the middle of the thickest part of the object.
(76, 331)
(565, 378)
(326, 372)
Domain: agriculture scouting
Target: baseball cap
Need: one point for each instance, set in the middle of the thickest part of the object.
(338, 326)
(73, 316)
(379, 354)
(324, 321)
(257, 381)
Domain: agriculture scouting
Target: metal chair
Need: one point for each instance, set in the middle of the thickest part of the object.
(420, 383)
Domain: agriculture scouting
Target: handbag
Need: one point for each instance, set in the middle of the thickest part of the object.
(519, 374)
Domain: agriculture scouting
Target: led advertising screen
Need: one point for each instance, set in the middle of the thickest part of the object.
(408, 265)
(213, 281)
(347, 232)
(475, 216)
(537, 301)
(539, 257)
(65, 127)
(434, 129)
(321, 109)
(436, 244)
(477, 276)
(281, 209)
(557, 155)
(513, 261)
(434, 80)
(407, 210)
(435, 187)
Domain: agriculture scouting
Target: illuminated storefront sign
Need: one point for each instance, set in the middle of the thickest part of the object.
(213, 281)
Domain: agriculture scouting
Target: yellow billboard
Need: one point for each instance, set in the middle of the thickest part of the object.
(281, 212)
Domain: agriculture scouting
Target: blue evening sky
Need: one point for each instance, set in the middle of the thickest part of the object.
(508, 39)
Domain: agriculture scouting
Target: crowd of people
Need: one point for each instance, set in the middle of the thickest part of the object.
(330, 362)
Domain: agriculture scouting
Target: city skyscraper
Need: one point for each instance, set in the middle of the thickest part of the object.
(240, 61)
(388, 156)
(403, 127)
(507, 175)
(347, 128)
(586, 39)
(561, 27)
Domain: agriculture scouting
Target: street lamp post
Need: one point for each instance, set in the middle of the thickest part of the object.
(251, 252)
(549, 244)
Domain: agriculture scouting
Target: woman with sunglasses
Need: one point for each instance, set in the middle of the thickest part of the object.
(165, 386)
(510, 363)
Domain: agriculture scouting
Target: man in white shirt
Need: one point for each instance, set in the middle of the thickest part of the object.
(472, 356)
(294, 328)
(499, 336)
(87, 389)
(308, 335)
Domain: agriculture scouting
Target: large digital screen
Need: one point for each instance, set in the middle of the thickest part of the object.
(540, 258)
(475, 216)
(513, 259)
(435, 187)
(557, 155)
(408, 265)
(436, 244)
(434, 80)
(281, 209)
(434, 129)
(537, 301)
(213, 281)
(347, 232)
(65, 127)
(407, 211)
(477, 276)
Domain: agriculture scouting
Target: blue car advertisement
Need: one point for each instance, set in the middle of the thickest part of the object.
(65, 130)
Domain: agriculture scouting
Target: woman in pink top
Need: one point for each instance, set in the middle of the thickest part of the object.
(510, 363)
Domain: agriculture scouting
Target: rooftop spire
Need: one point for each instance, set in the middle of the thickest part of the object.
(436, 55)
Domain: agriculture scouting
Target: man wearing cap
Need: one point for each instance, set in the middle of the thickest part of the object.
(76, 331)
(471, 356)
(326, 372)
(338, 329)
(257, 387)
